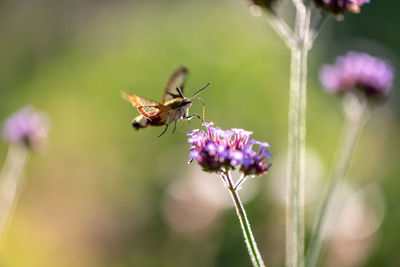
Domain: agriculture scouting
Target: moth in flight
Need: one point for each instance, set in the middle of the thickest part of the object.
(175, 106)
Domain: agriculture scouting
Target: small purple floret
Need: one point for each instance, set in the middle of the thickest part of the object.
(26, 126)
(219, 150)
(371, 75)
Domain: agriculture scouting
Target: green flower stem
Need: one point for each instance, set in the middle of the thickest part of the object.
(241, 180)
(248, 235)
(296, 143)
(355, 110)
(316, 27)
(299, 42)
(13, 170)
(281, 28)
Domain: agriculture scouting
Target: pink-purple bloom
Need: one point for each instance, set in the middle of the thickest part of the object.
(26, 126)
(340, 6)
(219, 150)
(372, 75)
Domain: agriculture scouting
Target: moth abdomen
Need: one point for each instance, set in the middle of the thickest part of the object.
(135, 125)
(140, 122)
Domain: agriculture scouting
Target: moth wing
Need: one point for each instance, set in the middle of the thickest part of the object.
(146, 107)
(176, 80)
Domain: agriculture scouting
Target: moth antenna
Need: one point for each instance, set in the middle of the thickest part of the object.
(204, 105)
(201, 89)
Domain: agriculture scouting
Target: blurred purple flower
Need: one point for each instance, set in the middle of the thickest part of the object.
(219, 150)
(27, 126)
(371, 75)
(340, 6)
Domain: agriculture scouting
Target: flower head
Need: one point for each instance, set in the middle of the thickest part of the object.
(373, 76)
(340, 6)
(217, 150)
(26, 126)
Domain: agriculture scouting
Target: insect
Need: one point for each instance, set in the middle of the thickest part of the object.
(174, 106)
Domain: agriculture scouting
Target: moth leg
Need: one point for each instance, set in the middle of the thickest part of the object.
(165, 129)
(174, 128)
(202, 101)
(194, 115)
(184, 117)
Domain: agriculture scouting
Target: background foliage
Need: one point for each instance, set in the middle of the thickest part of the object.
(104, 195)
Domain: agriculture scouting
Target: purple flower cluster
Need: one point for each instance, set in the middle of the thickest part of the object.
(217, 150)
(340, 6)
(371, 75)
(27, 126)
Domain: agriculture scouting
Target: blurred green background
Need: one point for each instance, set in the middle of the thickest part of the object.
(102, 194)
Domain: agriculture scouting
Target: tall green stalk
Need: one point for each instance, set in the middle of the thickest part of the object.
(355, 109)
(299, 41)
(296, 144)
(12, 172)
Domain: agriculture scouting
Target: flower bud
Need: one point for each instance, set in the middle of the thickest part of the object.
(340, 6)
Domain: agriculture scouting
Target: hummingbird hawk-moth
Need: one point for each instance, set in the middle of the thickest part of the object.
(175, 106)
